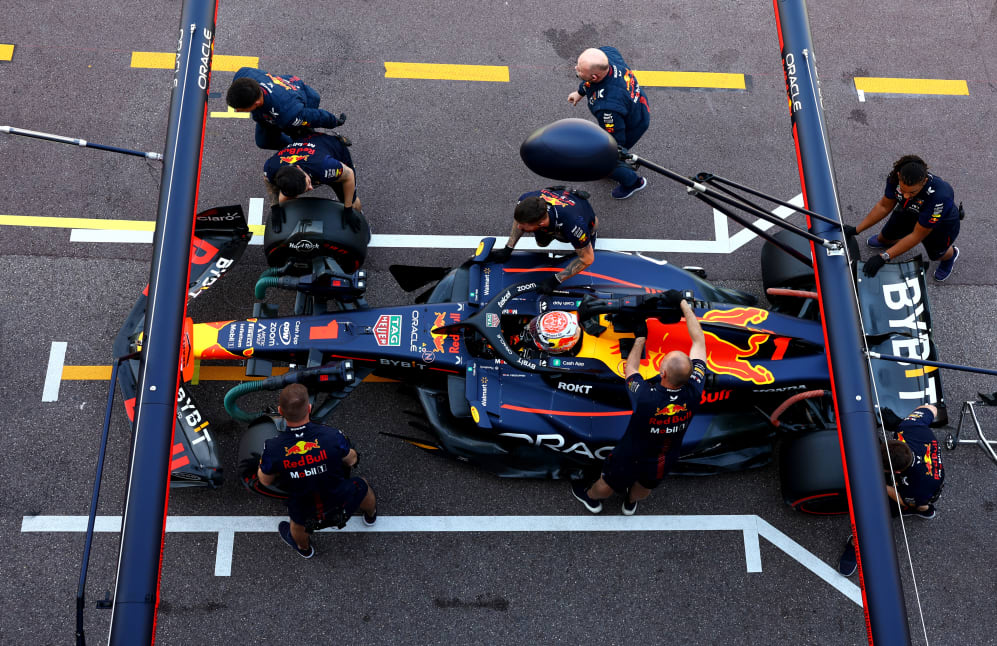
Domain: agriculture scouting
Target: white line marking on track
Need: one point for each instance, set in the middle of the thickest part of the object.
(53, 375)
(723, 242)
(226, 527)
(861, 96)
(256, 217)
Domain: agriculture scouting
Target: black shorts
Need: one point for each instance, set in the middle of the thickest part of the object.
(936, 244)
(347, 495)
(621, 471)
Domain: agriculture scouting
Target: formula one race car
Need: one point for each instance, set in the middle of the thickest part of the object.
(495, 397)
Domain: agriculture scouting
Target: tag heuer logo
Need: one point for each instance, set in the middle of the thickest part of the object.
(388, 330)
(491, 320)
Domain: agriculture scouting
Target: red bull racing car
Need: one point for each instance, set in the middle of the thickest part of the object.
(494, 397)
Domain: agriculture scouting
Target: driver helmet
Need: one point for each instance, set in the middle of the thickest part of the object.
(556, 331)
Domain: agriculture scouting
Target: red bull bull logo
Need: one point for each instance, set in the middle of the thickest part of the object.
(554, 199)
(740, 316)
(293, 159)
(670, 410)
(726, 358)
(302, 450)
(440, 340)
(301, 447)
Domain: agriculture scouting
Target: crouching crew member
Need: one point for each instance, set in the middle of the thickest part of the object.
(550, 214)
(663, 408)
(913, 456)
(309, 459)
(922, 210)
(277, 103)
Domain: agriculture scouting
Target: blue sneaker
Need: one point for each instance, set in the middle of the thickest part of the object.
(284, 529)
(848, 563)
(945, 267)
(580, 491)
(621, 193)
(875, 243)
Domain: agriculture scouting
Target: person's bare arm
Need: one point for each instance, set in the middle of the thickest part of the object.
(698, 349)
(909, 241)
(633, 359)
(514, 236)
(265, 478)
(883, 208)
(581, 262)
(350, 459)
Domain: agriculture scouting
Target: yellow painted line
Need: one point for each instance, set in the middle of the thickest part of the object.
(223, 63)
(713, 80)
(443, 72)
(90, 223)
(919, 372)
(880, 85)
(154, 60)
(230, 114)
(6, 52)
(168, 61)
(207, 373)
(76, 223)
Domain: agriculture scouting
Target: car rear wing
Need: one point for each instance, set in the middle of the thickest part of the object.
(896, 319)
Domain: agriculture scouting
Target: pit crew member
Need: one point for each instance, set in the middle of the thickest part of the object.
(309, 459)
(309, 161)
(618, 105)
(913, 456)
(663, 408)
(277, 103)
(922, 210)
(555, 213)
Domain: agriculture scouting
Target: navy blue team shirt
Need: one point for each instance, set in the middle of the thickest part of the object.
(320, 155)
(307, 459)
(287, 102)
(934, 204)
(922, 481)
(660, 418)
(572, 219)
(617, 102)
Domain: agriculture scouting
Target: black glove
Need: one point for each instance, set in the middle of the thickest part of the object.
(849, 231)
(340, 120)
(352, 219)
(873, 265)
(548, 285)
(672, 297)
(499, 255)
(640, 328)
(248, 467)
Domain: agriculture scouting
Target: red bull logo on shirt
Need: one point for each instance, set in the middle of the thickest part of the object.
(670, 409)
(303, 449)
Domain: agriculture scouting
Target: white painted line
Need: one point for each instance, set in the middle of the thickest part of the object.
(226, 527)
(861, 96)
(723, 242)
(53, 375)
(256, 217)
(223, 553)
(809, 561)
(745, 236)
(109, 235)
(752, 551)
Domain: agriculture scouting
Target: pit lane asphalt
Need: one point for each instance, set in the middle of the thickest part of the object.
(441, 157)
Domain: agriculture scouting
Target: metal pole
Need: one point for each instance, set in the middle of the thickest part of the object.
(928, 362)
(136, 596)
(76, 142)
(886, 615)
